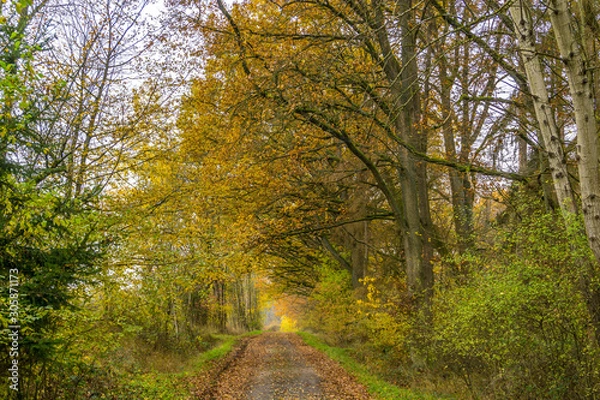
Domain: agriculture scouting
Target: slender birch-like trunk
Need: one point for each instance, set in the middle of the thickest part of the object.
(580, 78)
(550, 136)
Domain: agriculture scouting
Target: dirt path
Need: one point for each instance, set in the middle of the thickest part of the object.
(279, 366)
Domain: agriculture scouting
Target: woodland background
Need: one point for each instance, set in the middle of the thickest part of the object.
(416, 181)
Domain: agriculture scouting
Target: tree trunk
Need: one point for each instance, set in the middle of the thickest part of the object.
(580, 77)
(580, 86)
(410, 103)
(462, 207)
(402, 78)
(547, 124)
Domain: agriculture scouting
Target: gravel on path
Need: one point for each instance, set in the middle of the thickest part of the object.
(280, 366)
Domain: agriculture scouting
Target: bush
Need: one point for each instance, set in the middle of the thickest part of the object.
(332, 307)
(519, 328)
(385, 326)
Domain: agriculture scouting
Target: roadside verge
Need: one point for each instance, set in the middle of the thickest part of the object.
(377, 387)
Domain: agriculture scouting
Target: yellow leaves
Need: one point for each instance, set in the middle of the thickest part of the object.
(290, 208)
(373, 299)
(288, 324)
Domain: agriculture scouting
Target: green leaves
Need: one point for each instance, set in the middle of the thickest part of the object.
(22, 5)
(521, 320)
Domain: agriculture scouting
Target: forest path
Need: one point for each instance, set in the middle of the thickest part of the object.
(280, 366)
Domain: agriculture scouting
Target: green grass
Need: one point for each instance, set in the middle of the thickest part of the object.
(376, 386)
(176, 386)
(217, 352)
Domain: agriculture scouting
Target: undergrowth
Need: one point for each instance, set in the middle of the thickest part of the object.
(175, 384)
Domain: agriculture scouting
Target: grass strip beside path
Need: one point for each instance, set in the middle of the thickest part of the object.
(183, 385)
(377, 387)
(227, 342)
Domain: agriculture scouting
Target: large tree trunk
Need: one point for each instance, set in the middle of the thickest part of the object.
(547, 124)
(580, 86)
(402, 78)
(417, 137)
(590, 33)
(580, 77)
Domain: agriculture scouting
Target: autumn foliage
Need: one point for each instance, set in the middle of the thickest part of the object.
(417, 182)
